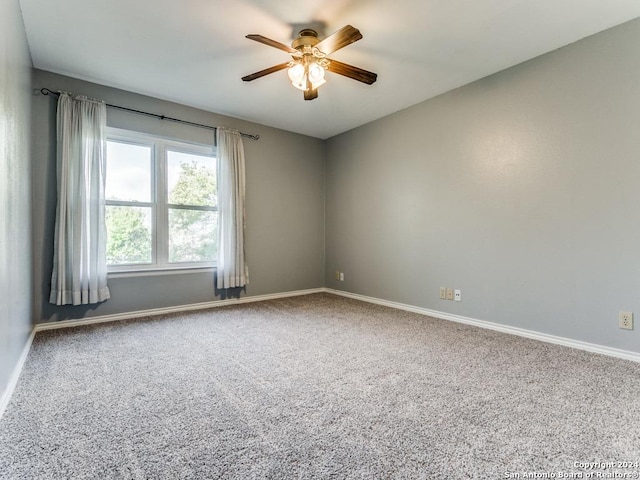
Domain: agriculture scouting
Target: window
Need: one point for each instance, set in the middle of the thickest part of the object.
(161, 208)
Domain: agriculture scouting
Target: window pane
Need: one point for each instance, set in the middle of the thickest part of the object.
(192, 235)
(191, 179)
(128, 172)
(128, 235)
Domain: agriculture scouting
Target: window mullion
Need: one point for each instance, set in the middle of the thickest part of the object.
(162, 230)
(204, 208)
(123, 203)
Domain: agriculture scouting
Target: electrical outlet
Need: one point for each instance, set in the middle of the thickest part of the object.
(342, 276)
(625, 320)
(457, 295)
(449, 293)
(337, 274)
(443, 293)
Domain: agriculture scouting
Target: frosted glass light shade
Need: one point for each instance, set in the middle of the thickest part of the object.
(316, 73)
(296, 73)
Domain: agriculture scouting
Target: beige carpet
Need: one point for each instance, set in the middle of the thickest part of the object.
(316, 386)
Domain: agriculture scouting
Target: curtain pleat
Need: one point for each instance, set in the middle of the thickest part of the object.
(232, 270)
(79, 259)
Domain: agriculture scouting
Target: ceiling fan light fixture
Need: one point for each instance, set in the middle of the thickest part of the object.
(299, 74)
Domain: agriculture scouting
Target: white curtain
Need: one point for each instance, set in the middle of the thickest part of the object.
(79, 257)
(231, 266)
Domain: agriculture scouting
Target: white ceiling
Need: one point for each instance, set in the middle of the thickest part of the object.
(194, 52)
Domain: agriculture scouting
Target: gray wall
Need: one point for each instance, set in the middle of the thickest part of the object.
(285, 205)
(521, 189)
(15, 189)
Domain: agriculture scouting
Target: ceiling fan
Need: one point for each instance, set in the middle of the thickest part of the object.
(309, 53)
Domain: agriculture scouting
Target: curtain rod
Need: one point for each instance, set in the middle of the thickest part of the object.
(46, 91)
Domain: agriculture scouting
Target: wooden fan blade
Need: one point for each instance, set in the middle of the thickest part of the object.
(266, 71)
(271, 43)
(350, 71)
(311, 93)
(343, 37)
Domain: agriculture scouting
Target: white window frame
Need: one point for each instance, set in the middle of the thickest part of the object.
(159, 203)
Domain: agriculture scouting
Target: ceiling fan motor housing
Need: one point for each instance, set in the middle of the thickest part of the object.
(306, 38)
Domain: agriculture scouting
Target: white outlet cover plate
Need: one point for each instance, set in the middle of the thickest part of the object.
(625, 320)
(457, 295)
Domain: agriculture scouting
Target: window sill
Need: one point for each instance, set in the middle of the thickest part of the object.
(150, 272)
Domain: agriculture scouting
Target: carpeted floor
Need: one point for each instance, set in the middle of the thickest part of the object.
(316, 386)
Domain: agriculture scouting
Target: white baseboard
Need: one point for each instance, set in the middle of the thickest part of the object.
(165, 310)
(521, 332)
(15, 374)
